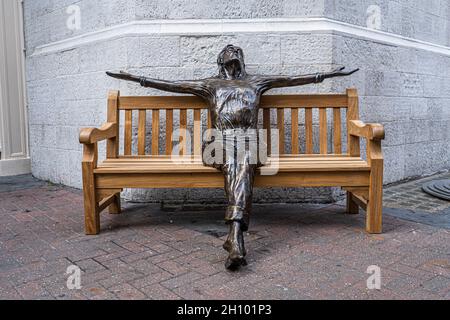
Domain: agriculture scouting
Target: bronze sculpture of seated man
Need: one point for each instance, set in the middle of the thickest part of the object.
(233, 98)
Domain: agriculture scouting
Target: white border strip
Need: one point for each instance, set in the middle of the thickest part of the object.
(233, 26)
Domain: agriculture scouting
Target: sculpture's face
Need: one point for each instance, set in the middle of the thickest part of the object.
(231, 62)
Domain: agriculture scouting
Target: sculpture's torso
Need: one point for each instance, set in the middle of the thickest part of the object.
(234, 104)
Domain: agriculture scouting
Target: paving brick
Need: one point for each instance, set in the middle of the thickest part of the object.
(120, 278)
(138, 256)
(95, 277)
(158, 292)
(133, 247)
(90, 265)
(181, 280)
(113, 256)
(33, 291)
(174, 267)
(97, 292)
(438, 267)
(145, 267)
(192, 292)
(360, 292)
(399, 268)
(166, 256)
(8, 292)
(439, 285)
(151, 279)
(127, 292)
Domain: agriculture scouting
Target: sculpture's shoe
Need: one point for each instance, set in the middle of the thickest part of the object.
(237, 255)
(234, 263)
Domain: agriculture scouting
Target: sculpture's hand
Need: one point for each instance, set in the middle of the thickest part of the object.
(339, 72)
(124, 76)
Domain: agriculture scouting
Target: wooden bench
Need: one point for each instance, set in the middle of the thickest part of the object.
(319, 162)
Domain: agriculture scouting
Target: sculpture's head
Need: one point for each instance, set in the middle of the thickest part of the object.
(231, 63)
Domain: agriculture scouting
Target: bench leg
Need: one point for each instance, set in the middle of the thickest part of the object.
(352, 206)
(115, 207)
(91, 209)
(375, 203)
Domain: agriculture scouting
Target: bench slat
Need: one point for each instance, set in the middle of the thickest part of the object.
(128, 132)
(309, 130)
(155, 132)
(271, 102)
(285, 165)
(142, 132)
(304, 101)
(337, 130)
(190, 159)
(283, 158)
(267, 126)
(197, 132)
(294, 131)
(323, 131)
(183, 132)
(198, 163)
(169, 132)
(281, 129)
(162, 102)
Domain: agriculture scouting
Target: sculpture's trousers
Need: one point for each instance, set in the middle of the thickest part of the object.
(239, 181)
(240, 162)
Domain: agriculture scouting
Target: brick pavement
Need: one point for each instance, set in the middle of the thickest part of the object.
(295, 252)
(410, 196)
(407, 201)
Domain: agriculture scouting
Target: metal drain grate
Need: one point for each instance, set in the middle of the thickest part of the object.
(439, 189)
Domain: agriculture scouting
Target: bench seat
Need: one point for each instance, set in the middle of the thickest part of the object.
(194, 165)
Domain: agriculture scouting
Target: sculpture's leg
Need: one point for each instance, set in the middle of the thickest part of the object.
(239, 180)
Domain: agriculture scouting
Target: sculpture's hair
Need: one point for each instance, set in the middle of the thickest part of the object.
(221, 63)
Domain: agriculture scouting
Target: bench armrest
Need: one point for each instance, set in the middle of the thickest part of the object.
(94, 135)
(370, 131)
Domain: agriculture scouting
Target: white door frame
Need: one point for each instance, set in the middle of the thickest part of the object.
(14, 150)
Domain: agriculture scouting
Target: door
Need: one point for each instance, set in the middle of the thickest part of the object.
(14, 158)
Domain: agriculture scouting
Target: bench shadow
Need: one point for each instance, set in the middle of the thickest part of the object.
(210, 222)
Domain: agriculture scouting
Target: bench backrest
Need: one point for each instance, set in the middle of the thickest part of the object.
(317, 123)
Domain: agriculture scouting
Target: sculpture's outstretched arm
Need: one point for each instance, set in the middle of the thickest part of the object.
(272, 82)
(195, 87)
